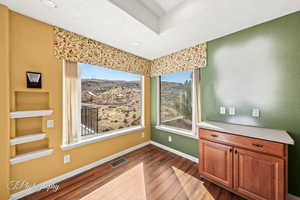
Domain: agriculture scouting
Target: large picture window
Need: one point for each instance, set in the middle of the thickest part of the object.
(110, 100)
(99, 103)
(175, 96)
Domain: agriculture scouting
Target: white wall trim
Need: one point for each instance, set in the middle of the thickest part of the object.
(293, 197)
(107, 135)
(80, 170)
(187, 156)
(30, 113)
(30, 156)
(177, 131)
(27, 138)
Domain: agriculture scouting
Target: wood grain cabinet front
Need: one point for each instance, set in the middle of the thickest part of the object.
(256, 174)
(217, 162)
(254, 144)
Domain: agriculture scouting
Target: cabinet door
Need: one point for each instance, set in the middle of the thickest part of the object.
(216, 162)
(258, 176)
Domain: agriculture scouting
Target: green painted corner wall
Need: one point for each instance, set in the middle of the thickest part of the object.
(184, 144)
(255, 68)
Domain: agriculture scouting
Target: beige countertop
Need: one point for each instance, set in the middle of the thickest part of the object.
(274, 135)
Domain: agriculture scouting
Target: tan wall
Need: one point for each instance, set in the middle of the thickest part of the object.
(4, 102)
(31, 49)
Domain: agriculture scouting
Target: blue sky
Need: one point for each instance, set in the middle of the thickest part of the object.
(94, 72)
(179, 77)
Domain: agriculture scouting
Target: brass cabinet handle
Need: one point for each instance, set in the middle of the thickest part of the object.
(230, 150)
(214, 135)
(258, 145)
(236, 151)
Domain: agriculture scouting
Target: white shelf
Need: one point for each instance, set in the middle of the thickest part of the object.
(27, 138)
(30, 113)
(30, 156)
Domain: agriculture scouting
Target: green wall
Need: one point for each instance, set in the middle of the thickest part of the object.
(255, 68)
(183, 144)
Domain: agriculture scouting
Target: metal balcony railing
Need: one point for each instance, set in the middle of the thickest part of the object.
(89, 120)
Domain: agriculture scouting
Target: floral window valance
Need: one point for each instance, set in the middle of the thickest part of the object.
(186, 59)
(73, 47)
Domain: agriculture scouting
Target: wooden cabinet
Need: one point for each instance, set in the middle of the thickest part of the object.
(263, 146)
(255, 169)
(217, 162)
(258, 176)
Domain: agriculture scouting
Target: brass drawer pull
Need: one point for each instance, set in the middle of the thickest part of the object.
(214, 135)
(258, 145)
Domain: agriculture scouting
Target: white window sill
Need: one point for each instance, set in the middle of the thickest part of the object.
(177, 131)
(105, 136)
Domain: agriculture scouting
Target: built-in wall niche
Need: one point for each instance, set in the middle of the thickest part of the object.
(27, 126)
(28, 115)
(31, 100)
(31, 146)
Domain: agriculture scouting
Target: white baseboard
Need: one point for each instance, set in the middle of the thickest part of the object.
(293, 197)
(187, 156)
(58, 179)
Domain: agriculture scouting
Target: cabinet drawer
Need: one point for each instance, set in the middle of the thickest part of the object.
(242, 141)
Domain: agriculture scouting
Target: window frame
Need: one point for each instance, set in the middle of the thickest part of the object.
(84, 140)
(179, 131)
(121, 130)
(142, 123)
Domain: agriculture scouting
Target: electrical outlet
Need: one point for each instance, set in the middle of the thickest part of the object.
(222, 110)
(50, 123)
(231, 111)
(255, 112)
(67, 159)
(170, 138)
(142, 135)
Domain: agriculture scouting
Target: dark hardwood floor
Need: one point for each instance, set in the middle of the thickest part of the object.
(149, 174)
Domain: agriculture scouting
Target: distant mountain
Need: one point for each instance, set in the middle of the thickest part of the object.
(104, 92)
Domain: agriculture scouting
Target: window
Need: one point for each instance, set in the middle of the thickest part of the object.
(175, 101)
(99, 103)
(110, 100)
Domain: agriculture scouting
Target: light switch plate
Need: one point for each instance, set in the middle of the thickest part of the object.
(231, 111)
(67, 159)
(50, 123)
(222, 110)
(170, 139)
(255, 112)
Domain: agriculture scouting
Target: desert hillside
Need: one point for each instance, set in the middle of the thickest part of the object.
(111, 105)
(176, 104)
(118, 103)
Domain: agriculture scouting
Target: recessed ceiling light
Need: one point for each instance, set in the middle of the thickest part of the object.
(135, 43)
(49, 3)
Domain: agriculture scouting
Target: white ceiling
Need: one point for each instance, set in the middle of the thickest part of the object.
(161, 7)
(160, 27)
